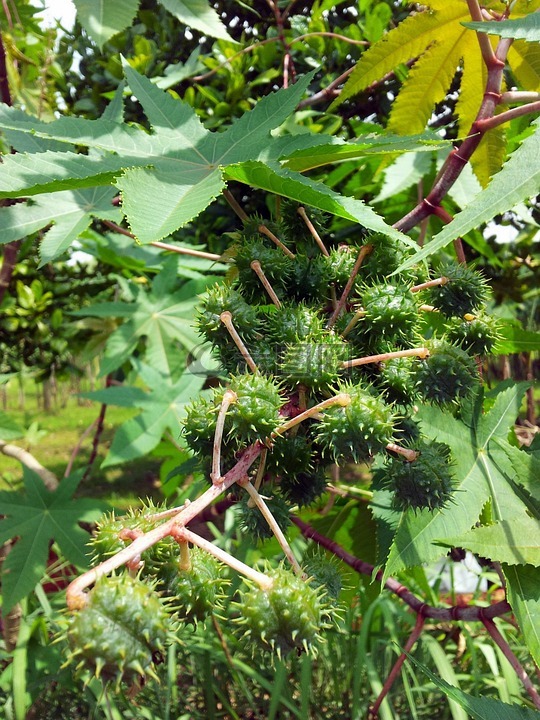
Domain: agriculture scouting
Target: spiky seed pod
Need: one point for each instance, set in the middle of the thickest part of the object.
(288, 616)
(276, 266)
(255, 413)
(447, 375)
(293, 227)
(340, 264)
(303, 488)
(292, 323)
(223, 298)
(406, 430)
(391, 313)
(121, 630)
(464, 293)
(264, 353)
(316, 364)
(427, 482)
(253, 522)
(323, 573)
(106, 540)
(387, 255)
(358, 430)
(309, 279)
(397, 380)
(289, 455)
(477, 336)
(197, 592)
(199, 425)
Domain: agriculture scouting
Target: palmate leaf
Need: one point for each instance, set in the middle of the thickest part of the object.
(161, 315)
(518, 180)
(439, 42)
(514, 542)
(70, 213)
(162, 408)
(166, 177)
(36, 517)
(479, 479)
(102, 18)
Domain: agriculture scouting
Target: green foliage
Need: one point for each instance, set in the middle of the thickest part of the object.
(36, 518)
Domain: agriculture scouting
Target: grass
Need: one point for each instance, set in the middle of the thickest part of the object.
(51, 437)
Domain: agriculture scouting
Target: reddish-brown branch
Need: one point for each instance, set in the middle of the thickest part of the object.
(512, 659)
(447, 614)
(458, 158)
(507, 115)
(373, 712)
(100, 424)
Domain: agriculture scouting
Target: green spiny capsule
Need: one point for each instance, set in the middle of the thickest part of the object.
(294, 228)
(199, 425)
(340, 264)
(121, 630)
(477, 336)
(196, 592)
(357, 431)
(391, 312)
(223, 298)
(447, 375)
(426, 483)
(303, 488)
(385, 258)
(275, 264)
(255, 413)
(287, 616)
(324, 574)
(107, 540)
(397, 380)
(253, 523)
(292, 323)
(316, 364)
(290, 455)
(464, 292)
(309, 278)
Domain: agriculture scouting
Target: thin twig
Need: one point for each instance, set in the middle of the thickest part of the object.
(273, 525)
(259, 272)
(229, 397)
(364, 252)
(229, 197)
(78, 446)
(23, 456)
(421, 352)
(373, 712)
(342, 399)
(269, 234)
(226, 319)
(312, 229)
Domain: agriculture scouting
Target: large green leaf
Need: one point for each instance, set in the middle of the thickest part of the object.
(70, 213)
(478, 708)
(514, 339)
(36, 517)
(272, 177)
(162, 315)
(169, 176)
(102, 18)
(522, 591)
(198, 14)
(162, 408)
(525, 28)
(518, 180)
(479, 479)
(514, 542)
(373, 144)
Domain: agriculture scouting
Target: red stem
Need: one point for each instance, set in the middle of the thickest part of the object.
(100, 423)
(449, 614)
(373, 712)
(458, 158)
(512, 659)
